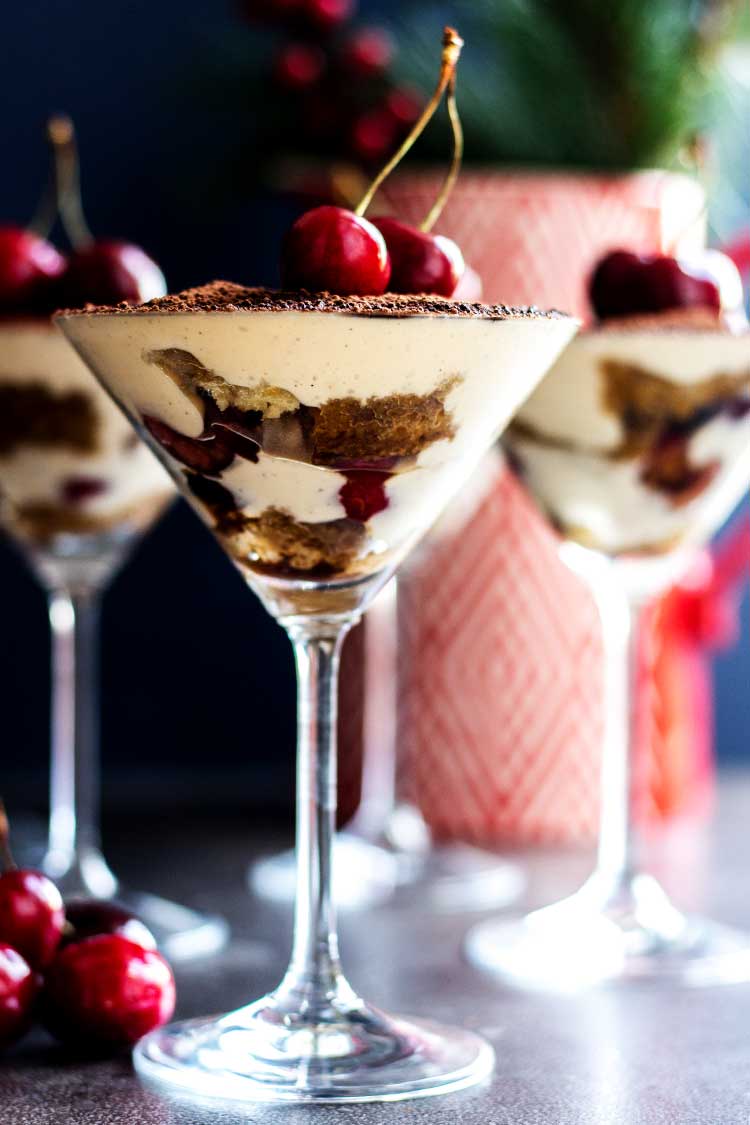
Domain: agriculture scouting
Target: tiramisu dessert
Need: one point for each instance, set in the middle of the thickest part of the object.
(638, 440)
(69, 463)
(317, 434)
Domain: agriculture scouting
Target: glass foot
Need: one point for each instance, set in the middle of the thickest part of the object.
(181, 933)
(264, 1053)
(363, 874)
(601, 935)
(459, 877)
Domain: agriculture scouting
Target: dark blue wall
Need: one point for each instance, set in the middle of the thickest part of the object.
(137, 79)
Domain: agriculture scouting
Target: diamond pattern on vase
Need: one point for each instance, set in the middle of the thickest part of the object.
(500, 665)
(501, 676)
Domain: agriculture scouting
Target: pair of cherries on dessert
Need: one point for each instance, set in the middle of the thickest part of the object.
(334, 249)
(340, 251)
(89, 971)
(36, 279)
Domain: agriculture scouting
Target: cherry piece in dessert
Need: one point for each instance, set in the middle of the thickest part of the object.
(330, 248)
(420, 262)
(624, 284)
(107, 272)
(106, 992)
(363, 495)
(28, 266)
(205, 455)
(19, 986)
(214, 495)
(88, 917)
(77, 490)
(31, 915)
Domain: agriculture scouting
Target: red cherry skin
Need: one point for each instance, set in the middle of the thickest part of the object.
(624, 284)
(298, 67)
(330, 248)
(31, 915)
(421, 263)
(367, 53)
(204, 455)
(108, 272)
(28, 266)
(363, 495)
(106, 992)
(87, 917)
(77, 490)
(19, 986)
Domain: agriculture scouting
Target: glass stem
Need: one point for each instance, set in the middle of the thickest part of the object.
(620, 618)
(74, 772)
(314, 982)
(379, 728)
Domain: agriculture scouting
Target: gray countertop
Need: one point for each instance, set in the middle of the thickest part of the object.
(636, 1055)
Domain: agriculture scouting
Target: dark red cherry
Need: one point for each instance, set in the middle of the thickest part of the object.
(28, 267)
(19, 986)
(363, 495)
(87, 917)
(298, 67)
(106, 992)
(31, 915)
(420, 263)
(204, 455)
(367, 53)
(108, 272)
(625, 284)
(330, 248)
(76, 490)
(215, 496)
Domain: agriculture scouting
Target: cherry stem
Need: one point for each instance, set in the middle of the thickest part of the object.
(452, 44)
(62, 138)
(436, 210)
(6, 855)
(46, 211)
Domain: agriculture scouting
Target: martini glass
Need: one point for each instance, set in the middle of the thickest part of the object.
(78, 490)
(319, 437)
(637, 446)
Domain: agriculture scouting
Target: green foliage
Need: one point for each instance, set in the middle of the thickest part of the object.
(612, 84)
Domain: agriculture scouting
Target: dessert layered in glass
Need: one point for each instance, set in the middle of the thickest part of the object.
(638, 440)
(70, 464)
(318, 435)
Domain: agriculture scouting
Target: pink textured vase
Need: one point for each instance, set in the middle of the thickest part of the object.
(501, 719)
